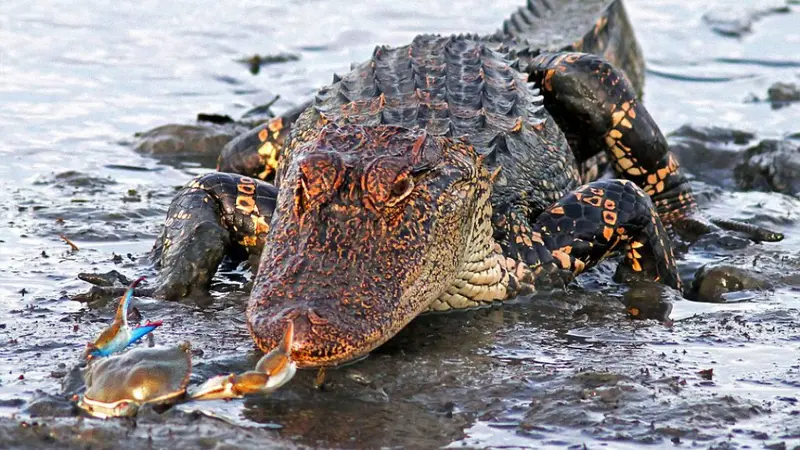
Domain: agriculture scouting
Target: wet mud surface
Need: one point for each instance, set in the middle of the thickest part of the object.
(559, 370)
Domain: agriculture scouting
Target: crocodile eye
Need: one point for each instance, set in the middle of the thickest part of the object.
(401, 187)
(320, 175)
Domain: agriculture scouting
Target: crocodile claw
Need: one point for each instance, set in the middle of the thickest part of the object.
(272, 371)
(696, 224)
(753, 232)
(120, 335)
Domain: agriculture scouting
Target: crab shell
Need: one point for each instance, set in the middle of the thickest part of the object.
(119, 385)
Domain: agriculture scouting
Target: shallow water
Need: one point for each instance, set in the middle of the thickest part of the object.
(77, 82)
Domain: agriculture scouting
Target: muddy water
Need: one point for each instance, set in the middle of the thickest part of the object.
(560, 370)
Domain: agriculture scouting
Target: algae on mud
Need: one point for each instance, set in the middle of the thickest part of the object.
(549, 372)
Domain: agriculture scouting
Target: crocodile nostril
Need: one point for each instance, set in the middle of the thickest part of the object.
(307, 336)
(315, 318)
(302, 324)
(304, 320)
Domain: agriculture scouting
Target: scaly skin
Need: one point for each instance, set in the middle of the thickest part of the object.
(434, 177)
(429, 178)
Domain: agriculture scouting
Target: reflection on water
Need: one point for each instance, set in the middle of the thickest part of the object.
(77, 82)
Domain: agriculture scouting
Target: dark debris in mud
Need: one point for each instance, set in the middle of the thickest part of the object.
(771, 166)
(76, 181)
(781, 94)
(256, 62)
(184, 431)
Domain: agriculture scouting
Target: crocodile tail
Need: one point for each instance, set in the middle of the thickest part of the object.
(600, 27)
(527, 18)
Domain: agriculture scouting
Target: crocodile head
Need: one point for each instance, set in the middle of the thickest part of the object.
(373, 225)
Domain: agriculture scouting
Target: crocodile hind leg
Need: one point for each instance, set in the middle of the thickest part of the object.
(597, 109)
(593, 222)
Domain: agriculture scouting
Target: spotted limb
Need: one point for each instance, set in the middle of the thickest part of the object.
(590, 224)
(212, 215)
(598, 110)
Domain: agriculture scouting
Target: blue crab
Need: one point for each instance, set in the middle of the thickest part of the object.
(119, 384)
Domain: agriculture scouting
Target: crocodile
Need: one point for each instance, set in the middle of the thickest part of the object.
(451, 173)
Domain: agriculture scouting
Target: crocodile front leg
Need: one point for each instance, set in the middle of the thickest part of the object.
(593, 222)
(598, 110)
(213, 215)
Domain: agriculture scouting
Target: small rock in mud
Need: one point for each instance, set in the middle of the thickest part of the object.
(720, 156)
(12, 403)
(46, 405)
(728, 22)
(712, 283)
(706, 374)
(592, 379)
(771, 166)
(79, 181)
(713, 134)
(710, 152)
(736, 19)
(781, 94)
(73, 383)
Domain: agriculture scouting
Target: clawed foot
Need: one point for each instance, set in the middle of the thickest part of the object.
(108, 286)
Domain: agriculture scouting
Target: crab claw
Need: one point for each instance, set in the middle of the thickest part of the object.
(272, 371)
(119, 335)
